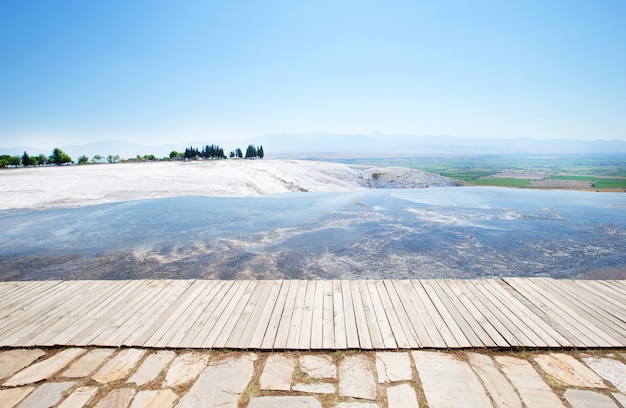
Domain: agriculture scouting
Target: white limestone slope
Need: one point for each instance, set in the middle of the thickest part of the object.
(73, 186)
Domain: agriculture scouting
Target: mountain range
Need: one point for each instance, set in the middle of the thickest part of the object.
(330, 145)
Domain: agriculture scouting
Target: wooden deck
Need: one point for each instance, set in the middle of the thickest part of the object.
(316, 314)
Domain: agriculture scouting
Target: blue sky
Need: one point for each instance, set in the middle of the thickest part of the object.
(160, 72)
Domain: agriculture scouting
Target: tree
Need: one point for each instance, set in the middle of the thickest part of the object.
(251, 152)
(42, 159)
(27, 160)
(174, 153)
(83, 160)
(259, 152)
(6, 160)
(59, 157)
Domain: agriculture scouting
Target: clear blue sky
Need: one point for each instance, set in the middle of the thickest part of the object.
(169, 71)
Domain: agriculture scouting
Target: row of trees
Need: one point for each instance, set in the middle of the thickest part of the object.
(59, 157)
(216, 152)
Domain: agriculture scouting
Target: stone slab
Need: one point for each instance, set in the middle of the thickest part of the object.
(154, 399)
(291, 402)
(79, 398)
(401, 396)
(588, 399)
(277, 373)
(317, 388)
(356, 378)
(119, 398)
(449, 382)
(11, 397)
(46, 395)
(569, 371)
(119, 366)
(186, 367)
(533, 391)
(356, 405)
(318, 366)
(87, 364)
(12, 361)
(44, 369)
(501, 390)
(610, 369)
(221, 383)
(393, 366)
(152, 367)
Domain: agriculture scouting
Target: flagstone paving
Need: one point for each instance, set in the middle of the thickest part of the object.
(136, 378)
(588, 399)
(15, 360)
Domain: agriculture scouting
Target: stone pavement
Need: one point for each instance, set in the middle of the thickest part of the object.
(142, 378)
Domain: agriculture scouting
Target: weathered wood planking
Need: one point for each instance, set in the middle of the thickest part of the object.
(310, 315)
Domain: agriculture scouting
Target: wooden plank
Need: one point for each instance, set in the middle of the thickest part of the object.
(307, 317)
(446, 311)
(24, 313)
(230, 319)
(352, 332)
(44, 329)
(589, 334)
(48, 319)
(532, 338)
(329, 314)
(339, 320)
(608, 290)
(24, 294)
(221, 314)
(389, 342)
(34, 316)
(328, 328)
(214, 310)
(365, 341)
(295, 327)
(545, 332)
(584, 307)
(562, 323)
(189, 314)
(69, 323)
(159, 332)
(203, 315)
(616, 308)
(135, 322)
(317, 325)
(254, 338)
(425, 330)
(272, 328)
(370, 316)
(125, 316)
(494, 315)
(245, 321)
(400, 338)
(403, 318)
(462, 317)
(99, 315)
(431, 311)
(108, 316)
(482, 318)
(285, 320)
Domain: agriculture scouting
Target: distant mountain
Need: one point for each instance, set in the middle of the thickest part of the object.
(330, 145)
(314, 144)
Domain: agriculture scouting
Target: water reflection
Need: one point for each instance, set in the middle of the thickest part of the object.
(428, 233)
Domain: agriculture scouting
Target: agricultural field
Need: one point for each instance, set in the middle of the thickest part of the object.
(594, 172)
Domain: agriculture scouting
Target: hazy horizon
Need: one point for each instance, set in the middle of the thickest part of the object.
(161, 73)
